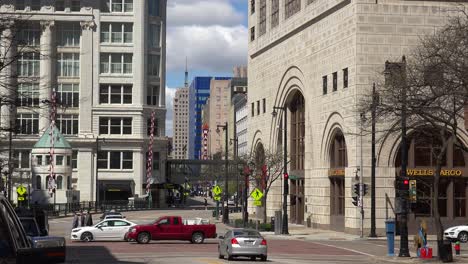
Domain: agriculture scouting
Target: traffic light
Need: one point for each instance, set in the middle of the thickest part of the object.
(412, 191)
(356, 189)
(403, 184)
(364, 189)
(355, 200)
(286, 176)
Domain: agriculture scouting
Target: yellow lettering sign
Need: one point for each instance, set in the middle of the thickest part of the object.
(430, 172)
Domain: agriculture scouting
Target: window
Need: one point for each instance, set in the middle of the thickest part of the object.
(21, 159)
(28, 123)
(153, 7)
(115, 160)
(262, 18)
(335, 81)
(115, 94)
(29, 35)
(119, 6)
(74, 159)
(345, 78)
(292, 7)
(116, 63)
(155, 160)
(297, 133)
(28, 64)
(38, 182)
(68, 34)
(175, 221)
(19, 5)
(152, 95)
(156, 127)
(67, 124)
(75, 6)
(324, 84)
(154, 35)
(258, 107)
(117, 33)
(339, 158)
(253, 109)
(69, 182)
(28, 94)
(115, 126)
(252, 34)
(153, 65)
(252, 6)
(121, 223)
(68, 65)
(59, 160)
(274, 13)
(39, 160)
(68, 94)
(59, 182)
(59, 5)
(264, 105)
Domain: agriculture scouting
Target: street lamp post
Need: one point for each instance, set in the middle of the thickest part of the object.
(226, 164)
(236, 153)
(284, 229)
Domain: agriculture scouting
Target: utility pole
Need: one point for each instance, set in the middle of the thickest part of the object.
(226, 169)
(374, 106)
(361, 181)
(10, 165)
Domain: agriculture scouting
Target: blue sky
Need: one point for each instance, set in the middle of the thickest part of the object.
(211, 34)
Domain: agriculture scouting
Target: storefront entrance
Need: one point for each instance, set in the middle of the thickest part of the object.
(115, 190)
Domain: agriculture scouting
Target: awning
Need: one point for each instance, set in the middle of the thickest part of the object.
(116, 186)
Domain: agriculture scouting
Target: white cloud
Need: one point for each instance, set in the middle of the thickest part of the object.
(170, 93)
(211, 48)
(203, 13)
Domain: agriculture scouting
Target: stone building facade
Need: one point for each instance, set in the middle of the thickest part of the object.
(106, 61)
(317, 58)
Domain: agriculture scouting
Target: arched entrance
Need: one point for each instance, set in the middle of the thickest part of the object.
(338, 163)
(296, 153)
(453, 187)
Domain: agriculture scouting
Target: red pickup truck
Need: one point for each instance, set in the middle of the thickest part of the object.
(171, 228)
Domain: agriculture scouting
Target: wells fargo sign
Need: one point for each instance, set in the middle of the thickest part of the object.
(430, 172)
(336, 172)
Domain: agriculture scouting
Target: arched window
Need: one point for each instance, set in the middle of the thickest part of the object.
(47, 182)
(38, 182)
(338, 155)
(297, 107)
(59, 182)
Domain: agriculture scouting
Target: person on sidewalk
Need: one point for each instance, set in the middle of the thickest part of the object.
(75, 220)
(89, 219)
(457, 248)
(82, 219)
(206, 204)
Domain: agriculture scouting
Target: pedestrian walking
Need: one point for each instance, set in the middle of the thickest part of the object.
(457, 248)
(82, 219)
(89, 219)
(206, 204)
(75, 220)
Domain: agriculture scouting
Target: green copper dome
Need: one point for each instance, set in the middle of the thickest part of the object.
(59, 140)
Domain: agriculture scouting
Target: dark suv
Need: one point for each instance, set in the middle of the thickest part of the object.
(16, 247)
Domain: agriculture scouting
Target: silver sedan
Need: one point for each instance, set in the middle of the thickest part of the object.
(243, 243)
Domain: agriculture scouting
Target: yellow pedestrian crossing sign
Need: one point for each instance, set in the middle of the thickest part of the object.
(256, 194)
(21, 190)
(217, 190)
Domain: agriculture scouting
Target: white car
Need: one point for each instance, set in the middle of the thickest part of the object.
(459, 233)
(108, 229)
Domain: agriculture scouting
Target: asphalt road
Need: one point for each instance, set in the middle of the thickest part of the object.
(280, 250)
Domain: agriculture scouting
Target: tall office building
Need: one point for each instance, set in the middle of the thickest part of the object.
(315, 60)
(181, 126)
(199, 91)
(106, 61)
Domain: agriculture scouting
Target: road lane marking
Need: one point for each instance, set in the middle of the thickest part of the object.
(348, 249)
(209, 261)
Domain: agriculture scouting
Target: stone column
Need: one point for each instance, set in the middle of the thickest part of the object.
(8, 49)
(47, 72)
(88, 86)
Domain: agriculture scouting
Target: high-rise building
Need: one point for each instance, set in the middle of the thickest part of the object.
(181, 126)
(315, 60)
(199, 91)
(106, 62)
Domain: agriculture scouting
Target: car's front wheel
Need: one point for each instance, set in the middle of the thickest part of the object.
(463, 237)
(87, 237)
(143, 238)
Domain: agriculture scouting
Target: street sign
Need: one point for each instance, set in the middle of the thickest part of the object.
(21, 190)
(217, 198)
(256, 194)
(258, 203)
(217, 190)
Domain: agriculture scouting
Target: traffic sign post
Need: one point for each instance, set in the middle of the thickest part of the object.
(217, 197)
(256, 194)
(22, 192)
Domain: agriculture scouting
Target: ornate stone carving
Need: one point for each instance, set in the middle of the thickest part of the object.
(47, 24)
(88, 25)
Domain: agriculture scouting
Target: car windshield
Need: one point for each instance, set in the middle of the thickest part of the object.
(246, 233)
(30, 227)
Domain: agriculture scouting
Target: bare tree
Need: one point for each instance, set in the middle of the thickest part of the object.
(268, 168)
(430, 90)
